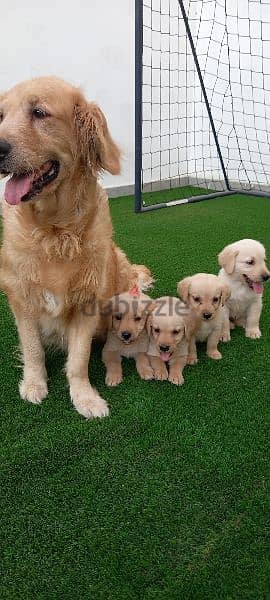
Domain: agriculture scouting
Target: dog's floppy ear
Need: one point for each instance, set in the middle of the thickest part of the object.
(106, 311)
(226, 259)
(225, 293)
(151, 306)
(149, 323)
(183, 288)
(95, 145)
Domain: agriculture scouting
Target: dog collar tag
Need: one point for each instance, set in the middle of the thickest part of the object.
(134, 291)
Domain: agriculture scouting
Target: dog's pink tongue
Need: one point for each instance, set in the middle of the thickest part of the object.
(165, 356)
(16, 187)
(257, 288)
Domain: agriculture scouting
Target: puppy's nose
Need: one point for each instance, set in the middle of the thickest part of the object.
(207, 316)
(265, 277)
(164, 348)
(126, 335)
(5, 148)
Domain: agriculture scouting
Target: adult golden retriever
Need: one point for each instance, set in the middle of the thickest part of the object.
(58, 259)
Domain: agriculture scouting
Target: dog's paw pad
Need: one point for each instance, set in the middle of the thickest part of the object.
(32, 391)
(225, 336)
(254, 333)
(92, 409)
(146, 373)
(113, 379)
(176, 379)
(215, 354)
(192, 360)
(161, 375)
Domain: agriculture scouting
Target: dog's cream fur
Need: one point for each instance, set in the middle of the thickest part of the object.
(167, 328)
(243, 269)
(128, 316)
(205, 296)
(58, 259)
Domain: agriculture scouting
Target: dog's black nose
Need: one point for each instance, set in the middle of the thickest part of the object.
(265, 277)
(126, 335)
(164, 348)
(5, 148)
(207, 316)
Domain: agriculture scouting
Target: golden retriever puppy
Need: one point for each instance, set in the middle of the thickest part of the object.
(205, 296)
(58, 260)
(168, 339)
(244, 270)
(128, 335)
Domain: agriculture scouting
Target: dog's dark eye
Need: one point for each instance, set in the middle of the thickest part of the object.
(215, 299)
(251, 261)
(39, 113)
(176, 331)
(1, 116)
(137, 318)
(196, 298)
(118, 317)
(156, 330)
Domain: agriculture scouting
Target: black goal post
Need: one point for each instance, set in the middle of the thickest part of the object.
(202, 110)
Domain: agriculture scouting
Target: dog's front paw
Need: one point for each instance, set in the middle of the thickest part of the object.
(113, 378)
(146, 373)
(215, 354)
(161, 373)
(176, 378)
(33, 391)
(225, 336)
(87, 401)
(192, 359)
(253, 332)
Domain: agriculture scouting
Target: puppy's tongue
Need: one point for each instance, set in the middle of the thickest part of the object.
(17, 187)
(165, 356)
(257, 288)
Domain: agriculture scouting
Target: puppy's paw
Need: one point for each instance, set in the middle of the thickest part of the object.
(176, 378)
(33, 391)
(113, 378)
(192, 359)
(225, 336)
(87, 401)
(232, 325)
(146, 373)
(161, 373)
(254, 333)
(215, 354)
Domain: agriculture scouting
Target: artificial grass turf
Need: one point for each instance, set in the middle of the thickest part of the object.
(168, 498)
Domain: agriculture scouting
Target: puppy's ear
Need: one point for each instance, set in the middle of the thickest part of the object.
(227, 258)
(106, 311)
(95, 145)
(183, 288)
(149, 325)
(190, 326)
(150, 307)
(225, 293)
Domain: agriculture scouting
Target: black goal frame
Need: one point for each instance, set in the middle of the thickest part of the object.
(139, 207)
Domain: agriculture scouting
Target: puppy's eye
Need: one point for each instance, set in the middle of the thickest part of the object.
(176, 331)
(215, 299)
(118, 317)
(39, 113)
(251, 261)
(137, 318)
(196, 298)
(156, 330)
(1, 116)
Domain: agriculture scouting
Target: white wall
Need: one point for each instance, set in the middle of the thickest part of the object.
(89, 43)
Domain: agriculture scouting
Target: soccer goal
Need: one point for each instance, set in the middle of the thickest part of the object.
(202, 105)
